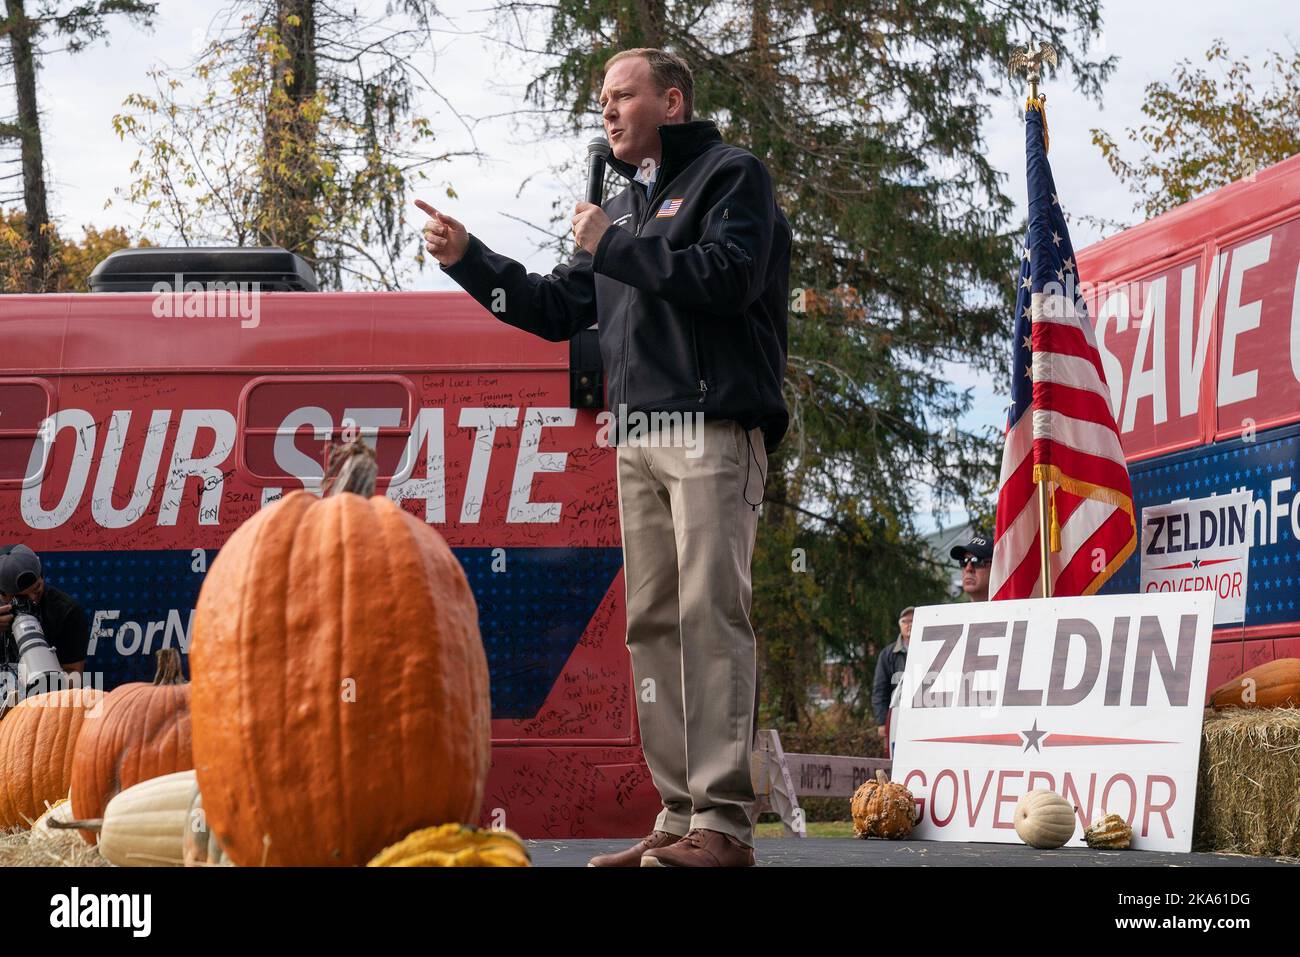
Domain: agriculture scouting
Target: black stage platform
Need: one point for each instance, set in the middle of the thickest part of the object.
(848, 852)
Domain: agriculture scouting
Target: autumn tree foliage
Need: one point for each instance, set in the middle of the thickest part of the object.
(69, 262)
(294, 127)
(1209, 126)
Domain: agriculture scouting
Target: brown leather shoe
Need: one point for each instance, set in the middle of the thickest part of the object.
(701, 848)
(632, 856)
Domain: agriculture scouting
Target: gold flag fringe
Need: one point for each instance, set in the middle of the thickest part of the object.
(1098, 493)
(1040, 105)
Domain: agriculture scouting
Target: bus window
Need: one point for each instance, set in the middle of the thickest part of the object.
(286, 422)
(25, 404)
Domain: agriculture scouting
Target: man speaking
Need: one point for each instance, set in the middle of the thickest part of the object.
(686, 273)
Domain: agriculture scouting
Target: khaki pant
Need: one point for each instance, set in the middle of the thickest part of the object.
(688, 540)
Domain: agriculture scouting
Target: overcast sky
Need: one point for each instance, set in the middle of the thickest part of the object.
(86, 161)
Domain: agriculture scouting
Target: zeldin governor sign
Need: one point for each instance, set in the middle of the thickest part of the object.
(1098, 699)
(1201, 545)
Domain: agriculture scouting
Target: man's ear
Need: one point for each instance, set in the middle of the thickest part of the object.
(676, 102)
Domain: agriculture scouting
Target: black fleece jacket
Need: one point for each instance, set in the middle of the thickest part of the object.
(689, 288)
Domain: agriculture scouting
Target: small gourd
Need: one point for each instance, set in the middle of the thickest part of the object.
(1111, 831)
(882, 808)
(1044, 819)
(454, 845)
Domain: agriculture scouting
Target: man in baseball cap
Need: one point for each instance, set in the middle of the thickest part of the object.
(62, 619)
(975, 559)
(20, 569)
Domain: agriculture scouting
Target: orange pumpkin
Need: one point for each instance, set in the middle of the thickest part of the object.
(142, 733)
(37, 741)
(1275, 684)
(340, 688)
(881, 808)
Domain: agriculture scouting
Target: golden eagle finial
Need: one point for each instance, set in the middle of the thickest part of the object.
(1030, 62)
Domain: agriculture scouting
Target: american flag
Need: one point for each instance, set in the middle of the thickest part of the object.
(670, 207)
(1060, 428)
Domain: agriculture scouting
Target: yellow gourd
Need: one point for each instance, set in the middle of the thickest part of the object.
(452, 845)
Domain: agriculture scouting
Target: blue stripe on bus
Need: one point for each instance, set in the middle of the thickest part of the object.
(531, 615)
(1273, 584)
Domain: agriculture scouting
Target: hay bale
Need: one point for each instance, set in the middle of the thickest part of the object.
(18, 849)
(1248, 785)
(42, 846)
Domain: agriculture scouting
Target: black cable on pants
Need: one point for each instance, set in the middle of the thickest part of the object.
(754, 456)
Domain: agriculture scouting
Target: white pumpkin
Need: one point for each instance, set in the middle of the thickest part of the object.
(1044, 819)
(145, 825)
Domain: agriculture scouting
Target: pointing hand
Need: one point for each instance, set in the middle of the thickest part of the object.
(445, 238)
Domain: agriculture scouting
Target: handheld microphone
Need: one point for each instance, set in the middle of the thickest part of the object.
(597, 154)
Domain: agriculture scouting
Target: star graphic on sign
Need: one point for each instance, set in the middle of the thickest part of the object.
(1032, 737)
(1056, 237)
(1196, 563)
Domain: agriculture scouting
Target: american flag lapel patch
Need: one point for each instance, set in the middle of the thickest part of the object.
(670, 207)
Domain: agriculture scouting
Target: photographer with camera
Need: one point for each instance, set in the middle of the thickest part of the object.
(45, 632)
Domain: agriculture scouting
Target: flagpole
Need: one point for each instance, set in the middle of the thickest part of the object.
(1045, 537)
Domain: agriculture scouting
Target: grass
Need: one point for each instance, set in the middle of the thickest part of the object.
(815, 829)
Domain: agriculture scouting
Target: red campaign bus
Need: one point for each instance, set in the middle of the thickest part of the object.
(132, 444)
(1197, 315)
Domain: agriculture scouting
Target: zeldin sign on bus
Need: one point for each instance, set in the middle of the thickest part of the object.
(1180, 498)
(1200, 545)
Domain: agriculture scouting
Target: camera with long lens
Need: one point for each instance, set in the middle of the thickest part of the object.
(31, 666)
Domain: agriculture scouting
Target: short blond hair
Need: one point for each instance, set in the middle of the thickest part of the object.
(668, 69)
